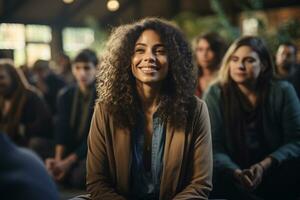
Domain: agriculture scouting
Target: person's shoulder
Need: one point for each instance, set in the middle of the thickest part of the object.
(280, 89)
(101, 107)
(281, 85)
(102, 114)
(33, 94)
(67, 90)
(32, 181)
(198, 104)
(197, 101)
(213, 90)
(54, 78)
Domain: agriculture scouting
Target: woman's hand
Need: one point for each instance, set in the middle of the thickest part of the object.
(242, 179)
(62, 167)
(252, 177)
(249, 178)
(255, 174)
(50, 163)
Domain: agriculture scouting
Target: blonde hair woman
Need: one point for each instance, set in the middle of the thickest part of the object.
(255, 126)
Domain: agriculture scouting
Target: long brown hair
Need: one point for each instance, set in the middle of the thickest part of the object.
(217, 45)
(17, 99)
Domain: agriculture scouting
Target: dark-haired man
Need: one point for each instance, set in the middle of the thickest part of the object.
(286, 65)
(74, 113)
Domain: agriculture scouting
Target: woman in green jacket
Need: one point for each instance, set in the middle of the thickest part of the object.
(255, 123)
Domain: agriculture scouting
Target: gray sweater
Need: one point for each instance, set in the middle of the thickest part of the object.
(281, 125)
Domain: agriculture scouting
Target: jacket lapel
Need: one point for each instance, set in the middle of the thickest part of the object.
(122, 140)
(173, 158)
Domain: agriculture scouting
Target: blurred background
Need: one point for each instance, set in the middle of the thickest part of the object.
(47, 29)
(42, 29)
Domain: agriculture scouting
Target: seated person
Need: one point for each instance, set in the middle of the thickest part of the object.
(74, 113)
(64, 68)
(209, 50)
(255, 122)
(22, 174)
(286, 65)
(24, 116)
(47, 82)
(150, 136)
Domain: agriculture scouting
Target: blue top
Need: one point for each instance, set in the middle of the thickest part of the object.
(146, 184)
(22, 174)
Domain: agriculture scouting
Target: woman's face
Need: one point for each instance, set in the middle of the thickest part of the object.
(244, 65)
(149, 63)
(204, 54)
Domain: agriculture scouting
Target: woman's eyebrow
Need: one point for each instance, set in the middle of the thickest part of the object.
(142, 44)
(159, 45)
(156, 45)
(247, 57)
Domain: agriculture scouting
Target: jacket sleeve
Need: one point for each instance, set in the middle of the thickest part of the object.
(38, 117)
(99, 183)
(290, 117)
(222, 160)
(62, 125)
(200, 168)
(81, 150)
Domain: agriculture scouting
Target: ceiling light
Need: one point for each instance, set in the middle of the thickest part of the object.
(68, 1)
(113, 5)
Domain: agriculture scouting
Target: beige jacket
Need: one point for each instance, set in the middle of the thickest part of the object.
(187, 167)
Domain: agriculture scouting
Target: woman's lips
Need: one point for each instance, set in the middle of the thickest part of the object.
(151, 69)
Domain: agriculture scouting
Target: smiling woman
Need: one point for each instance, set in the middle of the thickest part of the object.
(149, 137)
(149, 62)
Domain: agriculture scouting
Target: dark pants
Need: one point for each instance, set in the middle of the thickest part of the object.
(282, 182)
(76, 176)
(82, 197)
(42, 146)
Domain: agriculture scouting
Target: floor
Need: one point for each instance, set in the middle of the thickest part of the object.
(68, 193)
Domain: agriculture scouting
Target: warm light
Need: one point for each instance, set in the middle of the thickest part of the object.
(250, 26)
(113, 5)
(68, 1)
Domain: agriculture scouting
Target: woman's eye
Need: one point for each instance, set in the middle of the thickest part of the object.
(160, 51)
(139, 50)
(250, 60)
(234, 59)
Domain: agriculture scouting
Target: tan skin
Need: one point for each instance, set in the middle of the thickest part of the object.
(149, 65)
(245, 67)
(58, 166)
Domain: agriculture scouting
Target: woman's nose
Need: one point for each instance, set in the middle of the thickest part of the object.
(241, 65)
(149, 56)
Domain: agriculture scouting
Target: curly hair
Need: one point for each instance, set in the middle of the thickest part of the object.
(116, 85)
